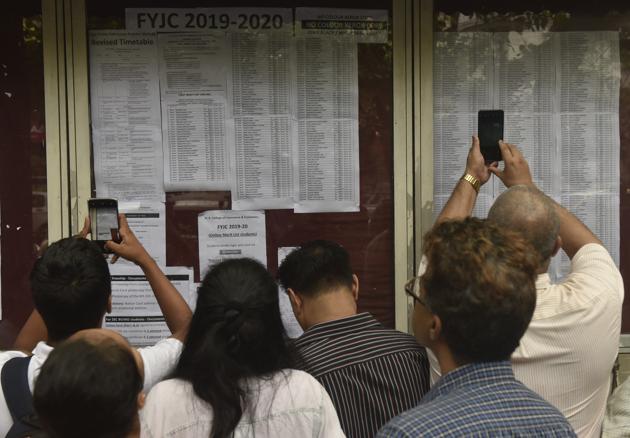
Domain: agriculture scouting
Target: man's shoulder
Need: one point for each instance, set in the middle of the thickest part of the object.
(5, 416)
(481, 410)
(423, 420)
(7, 355)
(593, 266)
(377, 341)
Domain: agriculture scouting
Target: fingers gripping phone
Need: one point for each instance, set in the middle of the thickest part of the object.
(490, 128)
(103, 221)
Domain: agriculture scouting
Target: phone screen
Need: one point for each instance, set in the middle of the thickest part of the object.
(105, 223)
(490, 127)
(104, 220)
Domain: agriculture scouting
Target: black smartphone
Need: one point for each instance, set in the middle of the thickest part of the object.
(104, 221)
(490, 128)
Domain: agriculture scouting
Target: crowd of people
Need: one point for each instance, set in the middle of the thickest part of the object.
(498, 349)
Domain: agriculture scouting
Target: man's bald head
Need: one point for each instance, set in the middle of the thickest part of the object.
(527, 210)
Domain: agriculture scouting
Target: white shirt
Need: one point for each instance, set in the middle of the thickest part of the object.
(569, 349)
(159, 361)
(617, 420)
(290, 404)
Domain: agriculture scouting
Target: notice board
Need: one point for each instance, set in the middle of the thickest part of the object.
(564, 18)
(366, 230)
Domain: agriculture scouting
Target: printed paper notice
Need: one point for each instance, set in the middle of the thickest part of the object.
(365, 25)
(147, 220)
(327, 160)
(135, 312)
(193, 79)
(560, 94)
(262, 110)
(291, 325)
(125, 105)
(227, 234)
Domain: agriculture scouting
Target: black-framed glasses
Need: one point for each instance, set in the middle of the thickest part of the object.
(412, 288)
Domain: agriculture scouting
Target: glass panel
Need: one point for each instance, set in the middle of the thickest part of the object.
(367, 234)
(23, 202)
(526, 31)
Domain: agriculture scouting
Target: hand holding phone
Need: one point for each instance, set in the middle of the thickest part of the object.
(104, 221)
(490, 128)
(129, 247)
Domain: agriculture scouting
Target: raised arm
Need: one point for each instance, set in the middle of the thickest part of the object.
(573, 232)
(462, 200)
(174, 308)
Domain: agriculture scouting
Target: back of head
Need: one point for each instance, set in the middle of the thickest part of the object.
(235, 332)
(88, 389)
(71, 286)
(528, 211)
(480, 281)
(315, 267)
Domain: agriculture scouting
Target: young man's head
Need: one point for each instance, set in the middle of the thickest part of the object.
(71, 287)
(527, 210)
(90, 385)
(478, 293)
(320, 283)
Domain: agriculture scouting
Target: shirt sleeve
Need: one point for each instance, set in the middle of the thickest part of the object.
(160, 360)
(592, 266)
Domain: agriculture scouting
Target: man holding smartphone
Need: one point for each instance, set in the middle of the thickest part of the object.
(71, 288)
(569, 349)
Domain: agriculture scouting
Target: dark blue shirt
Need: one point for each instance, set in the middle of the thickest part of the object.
(480, 400)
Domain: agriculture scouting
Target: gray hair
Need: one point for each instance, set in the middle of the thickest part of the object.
(527, 210)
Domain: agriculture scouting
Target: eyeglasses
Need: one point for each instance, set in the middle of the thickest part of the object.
(412, 288)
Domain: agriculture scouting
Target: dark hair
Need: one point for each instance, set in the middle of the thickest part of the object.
(480, 281)
(315, 267)
(88, 389)
(71, 286)
(236, 332)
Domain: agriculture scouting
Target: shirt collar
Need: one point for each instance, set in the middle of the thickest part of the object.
(543, 281)
(42, 350)
(472, 374)
(349, 324)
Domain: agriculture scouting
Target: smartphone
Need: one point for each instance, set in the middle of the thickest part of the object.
(103, 221)
(490, 128)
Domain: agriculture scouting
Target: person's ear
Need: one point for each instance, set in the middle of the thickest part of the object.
(355, 287)
(436, 328)
(296, 301)
(142, 398)
(109, 304)
(557, 246)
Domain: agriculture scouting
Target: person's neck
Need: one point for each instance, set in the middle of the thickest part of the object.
(135, 431)
(544, 267)
(445, 358)
(330, 306)
(53, 343)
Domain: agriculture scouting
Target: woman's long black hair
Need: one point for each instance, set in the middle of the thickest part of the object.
(236, 332)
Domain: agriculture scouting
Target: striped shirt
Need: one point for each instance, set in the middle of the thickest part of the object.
(480, 400)
(371, 373)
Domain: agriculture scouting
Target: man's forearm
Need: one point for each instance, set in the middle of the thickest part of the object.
(176, 312)
(460, 204)
(573, 232)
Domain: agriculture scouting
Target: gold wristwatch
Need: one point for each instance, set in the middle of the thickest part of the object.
(473, 181)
